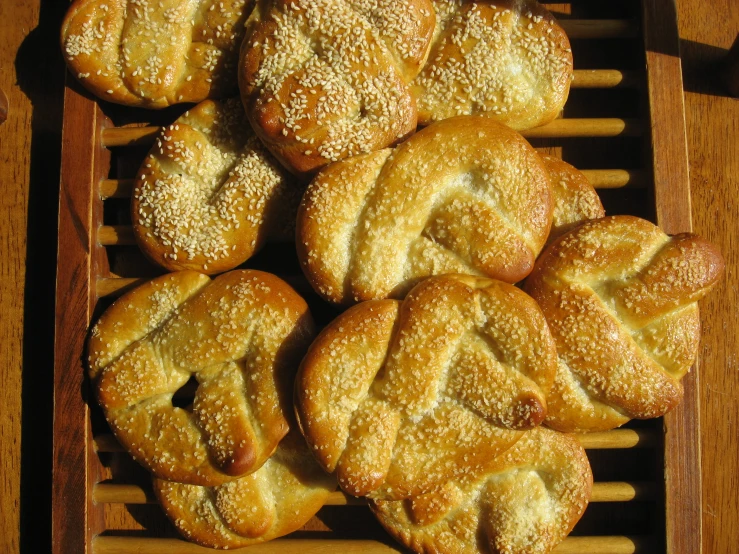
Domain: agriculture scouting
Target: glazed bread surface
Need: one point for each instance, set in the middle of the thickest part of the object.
(506, 59)
(277, 499)
(209, 195)
(465, 195)
(155, 53)
(322, 80)
(575, 200)
(398, 398)
(620, 298)
(241, 336)
(527, 502)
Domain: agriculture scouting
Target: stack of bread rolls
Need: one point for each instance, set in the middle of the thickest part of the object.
(444, 392)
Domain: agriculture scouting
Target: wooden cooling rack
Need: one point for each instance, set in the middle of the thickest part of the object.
(623, 125)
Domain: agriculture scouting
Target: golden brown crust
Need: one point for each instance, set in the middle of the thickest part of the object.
(241, 336)
(620, 298)
(209, 195)
(465, 195)
(526, 503)
(155, 53)
(277, 499)
(575, 200)
(322, 80)
(505, 59)
(397, 398)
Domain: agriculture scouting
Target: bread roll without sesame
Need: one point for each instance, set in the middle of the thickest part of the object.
(155, 53)
(277, 499)
(241, 336)
(322, 80)
(620, 298)
(465, 195)
(398, 398)
(527, 502)
(505, 59)
(209, 195)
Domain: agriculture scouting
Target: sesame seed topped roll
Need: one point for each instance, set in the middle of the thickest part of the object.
(505, 59)
(527, 502)
(209, 195)
(322, 80)
(398, 398)
(155, 53)
(277, 499)
(575, 200)
(241, 337)
(465, 195)
(620, 298)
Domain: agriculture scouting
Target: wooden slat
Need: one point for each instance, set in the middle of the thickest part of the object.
(682, 456)
(574, 127)
(75, 519)
(140, 545)
(599, 178)
(111, 235)
(616, 439)
(613, 491)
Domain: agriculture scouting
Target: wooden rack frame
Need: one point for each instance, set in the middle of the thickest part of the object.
(80, 494)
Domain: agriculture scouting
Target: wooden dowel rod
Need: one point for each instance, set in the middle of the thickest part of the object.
(583, 127)
(129, 136)
(125, 545)
(615, 491)
(586, 127)
(616, 178)
(599, 28)
(603, 440)
(116, 188)
(603, 78)
(112, 235)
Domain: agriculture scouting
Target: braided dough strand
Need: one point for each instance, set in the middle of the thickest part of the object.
(398, 398)
(155, 53)
(240, 336)
(209, 195)
(526, 502)
(326, 79)
(277, 499)
(620, 298)
(466, 195)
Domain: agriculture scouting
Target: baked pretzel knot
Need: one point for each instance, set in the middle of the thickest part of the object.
(525, 503)
(466, 195)
(240, 336)
(398, 398)
(154, 53)
(277, 499)
(208, 195)
(505, 59)
(325, 79)
(620, 298)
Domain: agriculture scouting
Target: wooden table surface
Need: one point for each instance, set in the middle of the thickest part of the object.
(32, 76)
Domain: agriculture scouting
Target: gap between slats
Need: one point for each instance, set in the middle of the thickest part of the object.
(611, 491)
(559, 128)
(106, 544)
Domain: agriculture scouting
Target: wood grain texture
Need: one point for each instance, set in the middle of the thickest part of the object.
(31, 79)
(707, 30)
(682, 457)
